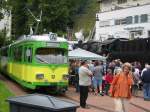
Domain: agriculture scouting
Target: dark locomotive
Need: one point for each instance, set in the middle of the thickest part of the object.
(124, 49)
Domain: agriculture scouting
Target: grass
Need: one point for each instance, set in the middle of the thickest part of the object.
(4, 94)
(86, 20)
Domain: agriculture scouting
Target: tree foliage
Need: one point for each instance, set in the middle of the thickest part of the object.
(2, 4)
(57, 15)
(3, 11)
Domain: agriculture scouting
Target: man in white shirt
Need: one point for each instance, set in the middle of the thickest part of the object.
(84, 82)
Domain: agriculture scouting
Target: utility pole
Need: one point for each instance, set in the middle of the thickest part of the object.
(38, 20)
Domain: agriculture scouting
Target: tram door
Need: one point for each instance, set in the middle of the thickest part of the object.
(16, 64)
(28, 52)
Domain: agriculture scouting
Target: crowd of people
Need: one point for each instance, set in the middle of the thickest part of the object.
(116, 79)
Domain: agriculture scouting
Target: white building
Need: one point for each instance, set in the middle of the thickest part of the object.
(123, 19)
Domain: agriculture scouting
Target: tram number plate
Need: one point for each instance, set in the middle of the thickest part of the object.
(52, 44)
(53, 36)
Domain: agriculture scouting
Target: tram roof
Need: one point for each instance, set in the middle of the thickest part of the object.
(44, 37)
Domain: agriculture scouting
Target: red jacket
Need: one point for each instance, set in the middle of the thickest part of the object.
(108, 78)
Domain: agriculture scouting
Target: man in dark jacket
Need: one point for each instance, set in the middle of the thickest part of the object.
(146, 81)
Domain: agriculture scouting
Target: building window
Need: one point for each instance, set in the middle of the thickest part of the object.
(129, 20)
(122, 1)
(144, 18)
(104, 23)
(136, 34)
(123, 21)
(120, 21)
(136, 19)
(117, 22)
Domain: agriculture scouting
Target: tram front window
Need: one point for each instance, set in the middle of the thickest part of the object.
(51, 56)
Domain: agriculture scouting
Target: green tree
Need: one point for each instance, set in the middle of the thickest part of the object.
(57, 15)
(3, 10)
(2, 6)
(19, 17)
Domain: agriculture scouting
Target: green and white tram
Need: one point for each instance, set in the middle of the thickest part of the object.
(37, 61)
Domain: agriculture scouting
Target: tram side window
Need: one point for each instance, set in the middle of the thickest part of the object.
(4, 51)
(18, 54)
(28, 55)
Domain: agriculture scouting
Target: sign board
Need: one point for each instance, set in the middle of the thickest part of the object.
(52, 44)
(52, 36)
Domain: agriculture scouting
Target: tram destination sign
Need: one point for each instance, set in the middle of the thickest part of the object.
(52, 36)
(52, 44)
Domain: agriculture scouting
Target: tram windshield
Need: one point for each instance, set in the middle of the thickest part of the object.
(51, 55)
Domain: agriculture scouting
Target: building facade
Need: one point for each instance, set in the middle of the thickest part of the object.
(123, 19)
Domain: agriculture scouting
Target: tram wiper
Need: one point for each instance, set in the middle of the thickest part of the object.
(39, 58)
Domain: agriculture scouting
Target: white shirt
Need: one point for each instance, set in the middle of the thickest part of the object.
(137, 72)
(143, 71)
(84, 78)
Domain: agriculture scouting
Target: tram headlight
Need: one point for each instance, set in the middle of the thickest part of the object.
(65, 76)
(39, 76)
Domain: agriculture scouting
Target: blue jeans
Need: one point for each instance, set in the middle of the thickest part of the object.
(146, 90)
(97, 82)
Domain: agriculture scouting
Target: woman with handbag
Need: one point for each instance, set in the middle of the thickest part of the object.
(120, 88)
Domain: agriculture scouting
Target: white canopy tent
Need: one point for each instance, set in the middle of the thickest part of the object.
(85, 55)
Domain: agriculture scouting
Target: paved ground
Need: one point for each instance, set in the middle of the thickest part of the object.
(96, 103)
(106, 104)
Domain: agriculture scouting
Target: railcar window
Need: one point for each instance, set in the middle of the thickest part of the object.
(51, 56)
(4, 52)
(122, 1)
(28, 55)
(85, 46)
(17, 54)
(93, 48)
(11, 53)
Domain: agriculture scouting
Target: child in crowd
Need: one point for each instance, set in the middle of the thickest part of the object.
(108, 80)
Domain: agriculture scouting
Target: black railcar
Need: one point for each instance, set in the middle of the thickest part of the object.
(124, 49)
